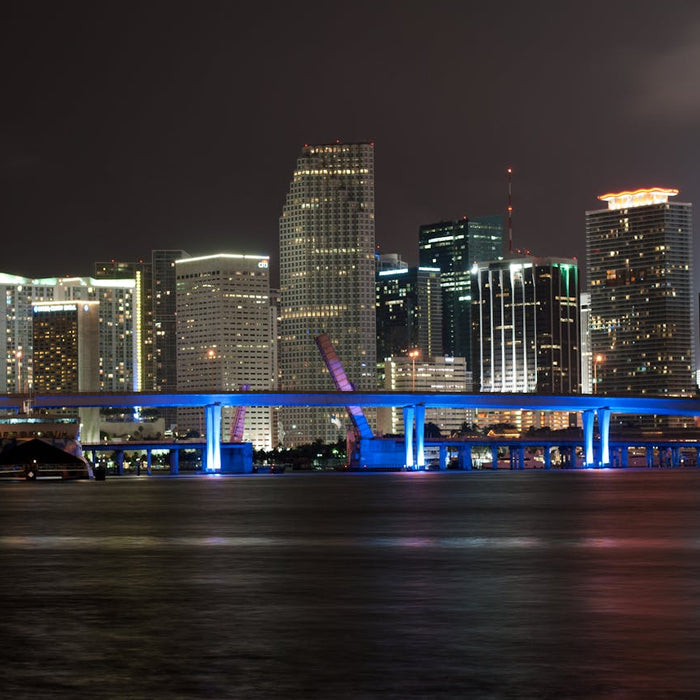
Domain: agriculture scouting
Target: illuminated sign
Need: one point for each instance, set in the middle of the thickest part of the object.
(55, 307)
(263, 263)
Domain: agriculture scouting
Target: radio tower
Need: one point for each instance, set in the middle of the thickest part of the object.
(510, 211)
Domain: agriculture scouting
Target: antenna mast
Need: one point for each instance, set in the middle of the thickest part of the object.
(510, 211)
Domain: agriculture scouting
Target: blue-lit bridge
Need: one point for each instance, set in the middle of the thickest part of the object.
(374, 451)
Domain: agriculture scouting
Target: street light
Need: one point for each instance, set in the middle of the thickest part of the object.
(596, 361)
(413, 354)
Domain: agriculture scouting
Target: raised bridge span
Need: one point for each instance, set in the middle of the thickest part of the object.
(412, 403)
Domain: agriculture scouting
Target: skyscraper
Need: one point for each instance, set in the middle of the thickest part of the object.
(526, 326)
(141, 273)
(224, 336)
(453, 247)
(409, 312)
(327, 279)
(118, 314)
(65, 342)
(164, 289)
(639, 256)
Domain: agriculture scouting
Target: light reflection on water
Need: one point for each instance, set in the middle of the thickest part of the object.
(136, 542)
(341, 586)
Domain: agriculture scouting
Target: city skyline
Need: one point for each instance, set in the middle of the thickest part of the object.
(116, 137)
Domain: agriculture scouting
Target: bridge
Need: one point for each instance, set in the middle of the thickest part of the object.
(413, 405)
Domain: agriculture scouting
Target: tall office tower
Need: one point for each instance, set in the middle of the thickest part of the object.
(453, 247)
(117, 354)
(427, 374)
(409, 312)
(639, 256)
(163, 286)
(224, 336)
(526, 326)
(327, 273)
(65, 342)
(141, 272)
(586, 355)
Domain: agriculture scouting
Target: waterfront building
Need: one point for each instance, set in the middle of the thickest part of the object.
(409, 312)
(163, 289)
(526, 326)
(141, 273)
(65, 354)
(586, 355)
(639, 259)
(225, 337)
(327, 280)
(426, 374)
(453, 247)
(117, 353)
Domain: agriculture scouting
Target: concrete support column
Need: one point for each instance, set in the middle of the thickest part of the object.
(587, 418)
(546, 450)
(149, 461)
(420, 436)
(174, 461)
(443, 457)
(408, 415)
(675, 456)
(604, 429)
(650, 456)
(697, 456)
(494, 456)
(119, 461)
(212, 460)
(465, 457)
(624, 456)
(521, 458)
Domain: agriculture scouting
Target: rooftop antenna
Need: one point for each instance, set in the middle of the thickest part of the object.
(510, 211)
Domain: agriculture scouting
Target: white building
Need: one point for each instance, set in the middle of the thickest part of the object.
(117, 327)
(433, 374)
(224, 336)
(327, 278)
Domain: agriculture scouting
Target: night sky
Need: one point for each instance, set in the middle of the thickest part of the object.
(133, 126)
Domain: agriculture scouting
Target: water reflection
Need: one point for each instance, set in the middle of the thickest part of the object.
(484, 585)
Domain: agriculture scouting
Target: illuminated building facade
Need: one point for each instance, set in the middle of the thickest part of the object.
(409, 312)
(586, 355)
(327, 279)
(453, 247)
(224, 337)
(141, 273)
(639, 257)
(428, 374)
(65, 354)
(117, 351)
(526, 326)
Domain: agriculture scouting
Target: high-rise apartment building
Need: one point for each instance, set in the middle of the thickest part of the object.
(65, 354)
(526, 326)
(224, 337)
(141, 273)
(118, 312)
(453, 247)
(639, 257)
(327, 279)
(409, 312)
